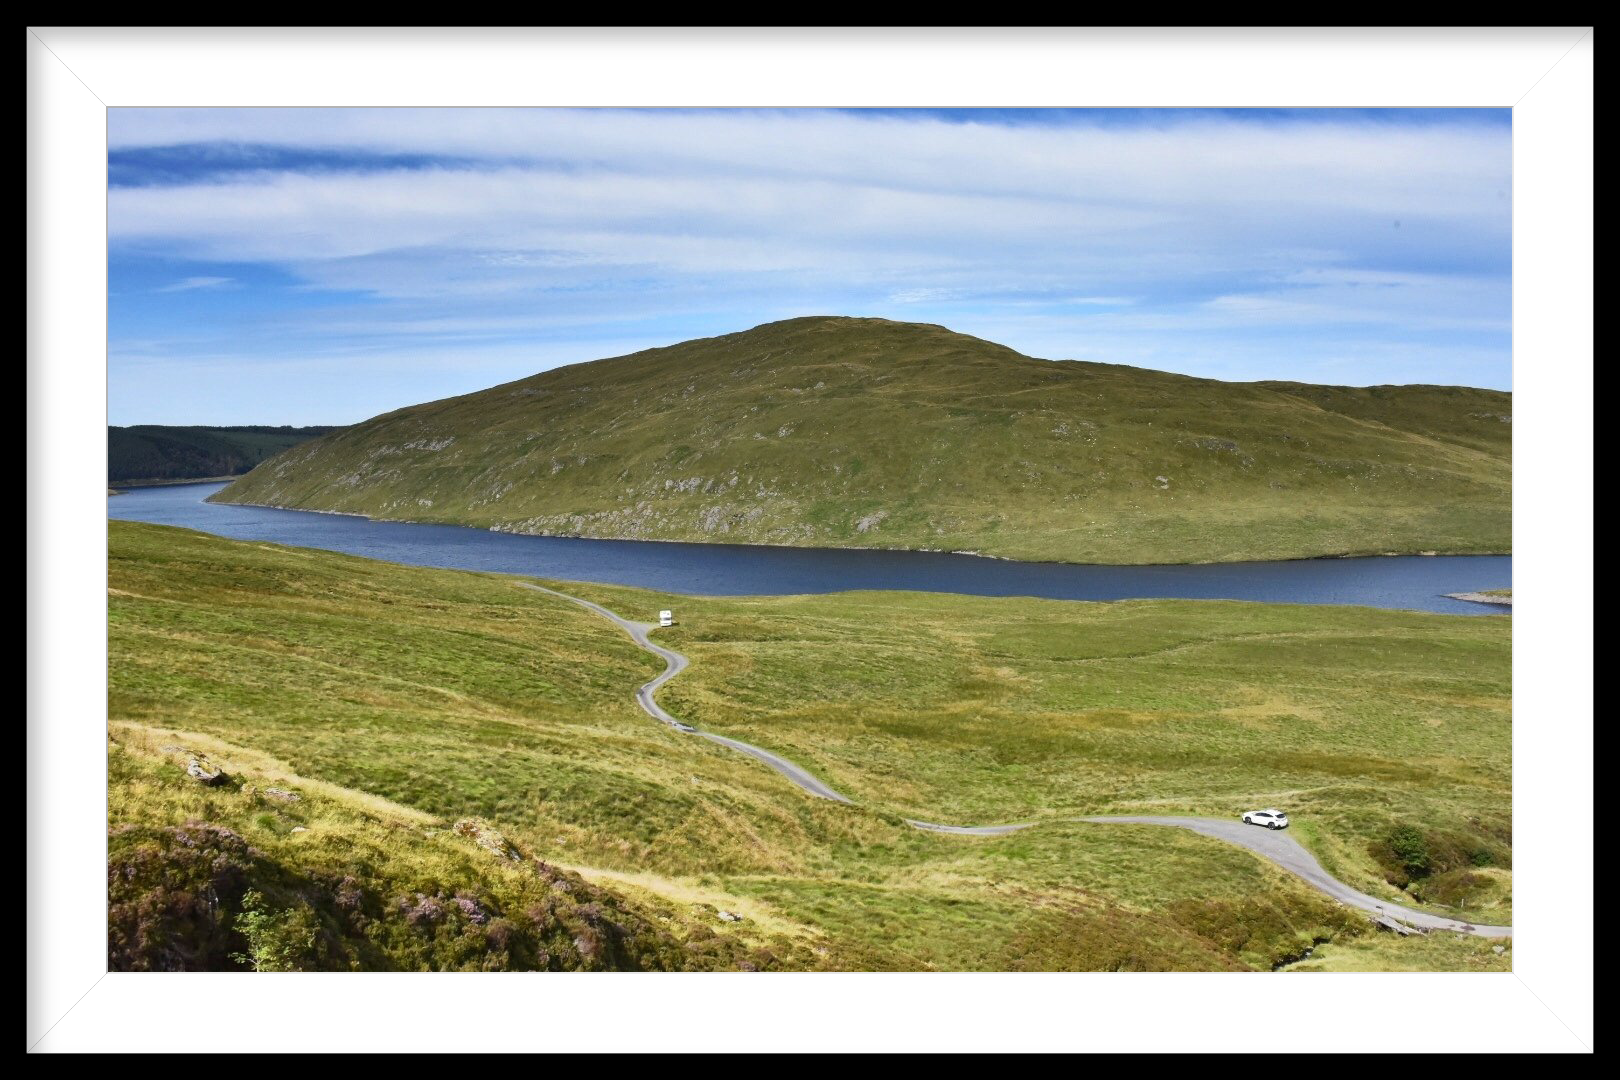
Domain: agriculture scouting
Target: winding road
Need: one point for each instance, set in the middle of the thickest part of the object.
(1277, 847)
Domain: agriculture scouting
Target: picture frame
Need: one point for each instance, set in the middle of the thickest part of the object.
(76, 74)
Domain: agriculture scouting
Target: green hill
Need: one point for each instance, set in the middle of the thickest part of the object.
(156, 452)
(867, 433)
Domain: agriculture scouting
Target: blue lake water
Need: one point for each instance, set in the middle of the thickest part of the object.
(1405, 581)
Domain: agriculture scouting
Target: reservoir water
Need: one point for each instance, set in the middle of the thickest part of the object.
(1414, 582)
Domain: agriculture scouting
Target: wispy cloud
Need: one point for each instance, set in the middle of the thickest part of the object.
(195, 283)
(919, 296)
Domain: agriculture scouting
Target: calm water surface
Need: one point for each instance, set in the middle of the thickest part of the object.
(1406, 581)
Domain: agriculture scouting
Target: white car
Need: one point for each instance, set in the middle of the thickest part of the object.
(1271, 819)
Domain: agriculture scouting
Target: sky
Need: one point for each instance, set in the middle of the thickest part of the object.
(321, 266)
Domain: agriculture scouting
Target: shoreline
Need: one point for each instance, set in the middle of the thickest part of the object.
(113, 484)
(1482, 598)
(564, 577)
(305, 510)
(852, 547)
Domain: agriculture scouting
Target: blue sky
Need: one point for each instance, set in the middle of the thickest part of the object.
(325, 265)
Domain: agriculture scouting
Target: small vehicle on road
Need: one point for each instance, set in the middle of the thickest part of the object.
(678, 726)
(1271, 819)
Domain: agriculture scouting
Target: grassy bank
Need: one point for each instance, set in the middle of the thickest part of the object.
(453, 695)
(272, 871)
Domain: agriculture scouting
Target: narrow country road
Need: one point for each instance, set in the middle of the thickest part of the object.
(1289, 854)
(674, 664)
(1277, 847)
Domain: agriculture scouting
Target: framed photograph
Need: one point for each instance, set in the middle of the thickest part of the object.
(975, 553)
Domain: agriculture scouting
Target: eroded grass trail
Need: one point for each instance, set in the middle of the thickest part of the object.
(1277, 847)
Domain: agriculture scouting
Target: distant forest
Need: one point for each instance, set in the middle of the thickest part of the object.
(154, 452)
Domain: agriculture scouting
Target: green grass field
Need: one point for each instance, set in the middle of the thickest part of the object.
(404, 695)
(870, 433)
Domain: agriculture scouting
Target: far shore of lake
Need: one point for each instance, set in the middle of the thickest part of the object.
(1492, 596)
(114, 485)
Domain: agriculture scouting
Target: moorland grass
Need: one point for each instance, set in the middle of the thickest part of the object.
(987, 710)
(307, 876)
(450, 694)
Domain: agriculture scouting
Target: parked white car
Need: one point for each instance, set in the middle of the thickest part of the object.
(1271, 819)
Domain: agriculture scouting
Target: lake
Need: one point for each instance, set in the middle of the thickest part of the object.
(1413, 582)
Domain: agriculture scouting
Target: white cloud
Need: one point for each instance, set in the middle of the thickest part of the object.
(918, 296)
(195, 283)
(714, 191)
(566, 227)
(1220, 159)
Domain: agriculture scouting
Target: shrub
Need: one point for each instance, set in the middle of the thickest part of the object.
(276, 940)
(1266, 932)
(171, 895)
(199, 897)
(1409, 854)
(1456, 889)
(1410, 849)
(349, 895)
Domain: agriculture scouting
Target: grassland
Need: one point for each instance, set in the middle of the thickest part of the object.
(869, 433)
(1437, 952)
(397, 694)
(1021, 709)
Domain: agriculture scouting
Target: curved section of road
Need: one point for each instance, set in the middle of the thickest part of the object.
(1280, 848)
(674, 664)
(1274, 846)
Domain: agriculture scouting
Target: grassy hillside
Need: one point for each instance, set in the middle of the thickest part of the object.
(276, 872)
(401, 700)
(864, 432)
(155, 452)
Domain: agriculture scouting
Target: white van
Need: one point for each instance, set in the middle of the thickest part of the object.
(666, 618)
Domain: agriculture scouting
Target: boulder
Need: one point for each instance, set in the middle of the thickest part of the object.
(486, 837)
(205, 772)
